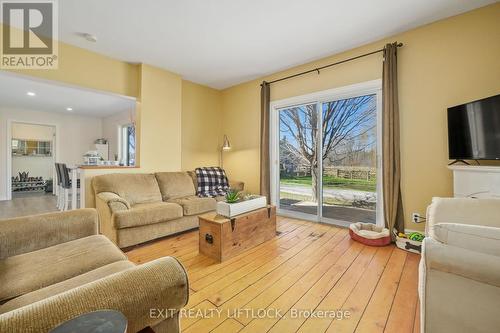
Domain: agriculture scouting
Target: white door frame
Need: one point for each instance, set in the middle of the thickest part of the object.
(55, 151)
(354, 90)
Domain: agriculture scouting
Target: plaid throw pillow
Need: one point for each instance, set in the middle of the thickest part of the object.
(212, 182)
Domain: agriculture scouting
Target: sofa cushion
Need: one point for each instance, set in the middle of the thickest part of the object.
(31, 271)
(65, 285)
(147, 213)
(34, 232)
(133, 187)
(130, 236)
(175, 185)
(194, 205)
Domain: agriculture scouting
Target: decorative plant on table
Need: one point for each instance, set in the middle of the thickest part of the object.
(233, 196)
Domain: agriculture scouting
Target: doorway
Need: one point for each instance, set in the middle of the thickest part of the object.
(326, 151)
(31, 158)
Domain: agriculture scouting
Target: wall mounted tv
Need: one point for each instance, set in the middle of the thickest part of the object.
(474, 130)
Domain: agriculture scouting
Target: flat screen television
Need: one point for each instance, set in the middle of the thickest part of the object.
(474, 130)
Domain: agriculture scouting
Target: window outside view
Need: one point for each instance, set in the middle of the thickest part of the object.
(349, 157)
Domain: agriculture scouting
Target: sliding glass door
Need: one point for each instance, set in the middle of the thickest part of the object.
(298, 148)
(349, 161)
(325, 153)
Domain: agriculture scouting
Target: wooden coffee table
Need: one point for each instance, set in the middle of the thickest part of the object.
(222, 238)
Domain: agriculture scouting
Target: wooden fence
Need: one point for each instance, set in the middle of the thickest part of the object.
(364, 173)
(346, 172)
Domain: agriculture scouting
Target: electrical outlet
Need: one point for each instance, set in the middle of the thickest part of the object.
(415, 217)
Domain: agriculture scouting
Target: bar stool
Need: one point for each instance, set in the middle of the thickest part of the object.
(66, 186)
(60, 191)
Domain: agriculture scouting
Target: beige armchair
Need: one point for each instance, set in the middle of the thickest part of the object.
(459, 282)
(485, 212)
(54, 267)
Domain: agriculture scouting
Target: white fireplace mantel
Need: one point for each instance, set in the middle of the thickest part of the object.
(471, 181)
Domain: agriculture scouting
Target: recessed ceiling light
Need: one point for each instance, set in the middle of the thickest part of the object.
(69, 109)
(30, 93)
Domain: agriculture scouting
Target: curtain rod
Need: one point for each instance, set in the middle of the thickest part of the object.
(330, 65)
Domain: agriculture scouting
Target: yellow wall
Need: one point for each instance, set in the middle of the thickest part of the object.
(449, 62)
(201, 125)
(160, 116)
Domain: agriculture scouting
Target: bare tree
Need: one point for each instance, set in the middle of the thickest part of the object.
(359, 151)
(290, 157)
(343, 121)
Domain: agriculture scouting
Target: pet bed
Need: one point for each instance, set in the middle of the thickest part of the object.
(369, 234)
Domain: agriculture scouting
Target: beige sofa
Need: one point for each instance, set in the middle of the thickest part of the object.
(459, 275)
(54, 267)
(135, 208)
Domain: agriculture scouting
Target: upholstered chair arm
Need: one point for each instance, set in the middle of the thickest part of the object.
(114, 201)
(35, 232)
(477, 266)
(236, 185)
(484, 212)
(108, 203)
(476, 238)
(144, 294)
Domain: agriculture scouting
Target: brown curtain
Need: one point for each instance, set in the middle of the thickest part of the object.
(391, 164)
(265, 166)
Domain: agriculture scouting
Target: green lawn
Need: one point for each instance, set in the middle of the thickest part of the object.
(332, 182)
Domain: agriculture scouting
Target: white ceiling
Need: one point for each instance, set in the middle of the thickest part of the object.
(52, 97)
(220, 43)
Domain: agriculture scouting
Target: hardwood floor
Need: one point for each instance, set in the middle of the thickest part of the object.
(307, 266)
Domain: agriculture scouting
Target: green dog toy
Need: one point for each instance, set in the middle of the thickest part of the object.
(416, 236)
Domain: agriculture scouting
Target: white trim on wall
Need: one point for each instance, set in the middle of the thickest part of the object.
(358, 89)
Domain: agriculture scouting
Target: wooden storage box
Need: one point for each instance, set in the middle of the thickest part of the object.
(222, 238)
